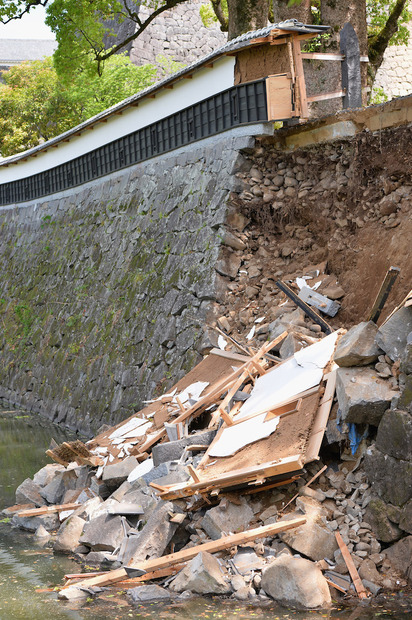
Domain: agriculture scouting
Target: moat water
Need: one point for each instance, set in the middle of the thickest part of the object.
(29, 572)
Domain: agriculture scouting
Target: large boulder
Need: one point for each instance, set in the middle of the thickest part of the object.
(406, 357)
(363, 397)
(393, 335)
(358, 347)
(296, 582)
(54, 491)
(114, 475)
(149, 594)
(400, 556)
(227, 516)
(47, 473)
(69, 534)
(395, 434)
(313, 539)
(153, 539)
(104, 533)
(50, 522)
(28, 492)
(391, 478)
(383, 519)
(405, 521)
(202, 575)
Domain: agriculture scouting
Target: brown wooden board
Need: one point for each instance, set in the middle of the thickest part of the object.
(279, 95)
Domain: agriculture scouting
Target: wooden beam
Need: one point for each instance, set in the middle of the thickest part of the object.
(324, 96)
(185, 555)
(321, 56)
(43, 510)
(384, 291)
(357, 582)
(300, 77)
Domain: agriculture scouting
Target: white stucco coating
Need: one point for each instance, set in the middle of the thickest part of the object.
(204, 83)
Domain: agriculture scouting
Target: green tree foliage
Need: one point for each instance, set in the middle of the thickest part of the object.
(36, 105)
(378, 12)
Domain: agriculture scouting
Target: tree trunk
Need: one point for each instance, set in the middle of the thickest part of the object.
(301, 12)
(245, 15)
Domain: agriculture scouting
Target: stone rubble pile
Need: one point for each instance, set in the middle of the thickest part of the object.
(365, 494)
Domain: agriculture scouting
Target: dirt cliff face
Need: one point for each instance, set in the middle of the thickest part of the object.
(345, 204)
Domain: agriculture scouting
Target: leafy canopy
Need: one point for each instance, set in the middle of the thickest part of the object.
(36, 105)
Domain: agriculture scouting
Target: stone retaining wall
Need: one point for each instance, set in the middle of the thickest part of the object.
(105, 290)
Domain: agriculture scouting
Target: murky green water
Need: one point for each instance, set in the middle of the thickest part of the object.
(28, 571)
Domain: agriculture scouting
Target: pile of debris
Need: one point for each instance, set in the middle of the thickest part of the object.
(223, 464)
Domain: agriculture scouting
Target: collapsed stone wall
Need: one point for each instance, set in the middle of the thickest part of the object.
(105, 290)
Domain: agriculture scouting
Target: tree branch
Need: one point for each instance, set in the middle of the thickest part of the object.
(218, 11)
(25, 10)
(141, 27)
(378, 43)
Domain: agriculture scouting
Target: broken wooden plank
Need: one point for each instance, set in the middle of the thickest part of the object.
(384, 291)
(239, 476)
(185, 555)
(56, 458)
(357, 582)
(305, 307)
(34, 512)
(321, 419)
(300, 78)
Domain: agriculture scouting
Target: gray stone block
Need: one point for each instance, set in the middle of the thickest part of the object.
(391, 478)
(202, 575)
(28, 493)
(296, 582)
(381, 517)
(153, 539)
(363, 397)
(358, 347)
(68, 535)
(392, 335)
(104, 533)
(149, 594)
(400, 556)
(227, 517)
(395, 434)
(173, 450)
(114, 475)
(49, 522)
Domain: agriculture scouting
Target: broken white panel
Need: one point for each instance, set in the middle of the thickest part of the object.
(221, 343)
(194, 391)
(235, 437)
(99, 451)
(130, 425)
(298, 374)
(260, 319)
(251, 333)
(64, 514)
(134, 433)
(301, 282)
(140, 470)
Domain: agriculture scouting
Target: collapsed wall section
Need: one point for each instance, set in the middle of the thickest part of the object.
(106, 289)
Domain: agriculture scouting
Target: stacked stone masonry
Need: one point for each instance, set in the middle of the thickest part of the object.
(105, 291)
(178, 34)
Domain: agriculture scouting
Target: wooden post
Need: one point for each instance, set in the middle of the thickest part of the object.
(300, 78)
